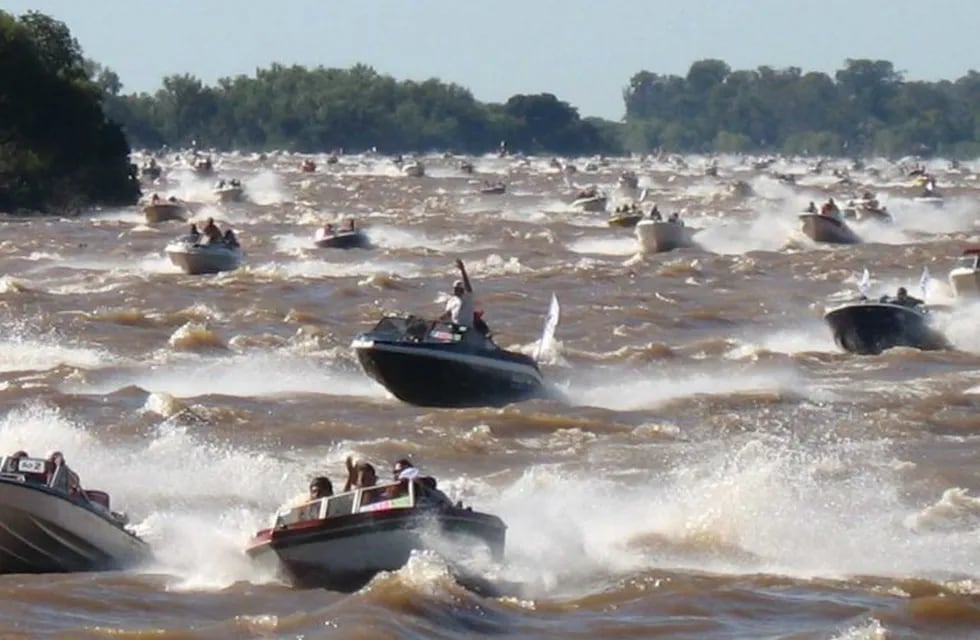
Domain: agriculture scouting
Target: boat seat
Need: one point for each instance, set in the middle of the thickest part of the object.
(98, 497)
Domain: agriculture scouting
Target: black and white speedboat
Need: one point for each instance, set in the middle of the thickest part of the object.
(870, 327)
(433, 364)
(825, 228)
(48, 526)
(342, 541)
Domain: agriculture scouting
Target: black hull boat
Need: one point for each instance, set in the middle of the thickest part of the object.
(820, 228)
(868, 328)
(355, 239)
(45, 530)
(343, 541)
(436, 365)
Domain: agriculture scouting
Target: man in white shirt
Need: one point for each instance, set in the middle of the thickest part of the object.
(459, 307)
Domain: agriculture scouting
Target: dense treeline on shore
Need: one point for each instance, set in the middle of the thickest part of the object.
(356, 109)
(866, 108)
(61, 146)
(58, 152)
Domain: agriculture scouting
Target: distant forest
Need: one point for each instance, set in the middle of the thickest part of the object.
(865, 108)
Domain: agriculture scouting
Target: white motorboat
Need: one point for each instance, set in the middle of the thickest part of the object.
(342, 541)
(48, 524)
(164, 211)
(656, 236)
(965, 278)
(196, 259)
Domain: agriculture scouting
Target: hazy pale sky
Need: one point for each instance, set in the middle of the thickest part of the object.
(583, 51)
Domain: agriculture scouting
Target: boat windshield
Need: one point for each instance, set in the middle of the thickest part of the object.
(415, 329)
(385, 497)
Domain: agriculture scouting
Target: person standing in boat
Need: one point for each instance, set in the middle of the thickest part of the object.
(459, 307)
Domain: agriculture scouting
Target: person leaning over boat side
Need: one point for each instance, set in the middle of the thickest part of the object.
(67, 480)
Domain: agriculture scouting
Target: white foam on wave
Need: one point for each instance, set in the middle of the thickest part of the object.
(769, 231)
(652, 387)
(23, 350)
(325, 267)
(767, 504)
(245, 375)
(624, 245)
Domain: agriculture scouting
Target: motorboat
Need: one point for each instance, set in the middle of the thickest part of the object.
(628, 180)
(466, 166)
(590, 199)
(164, 211)
(869, 327)
(343, 239)
(414, 169)
(656, 236)
(627, 219)
(195, 258)
(495, 189)
(965, 278)
(202, 166)
(342, 541)
(232, 191)
(433, 364)
(825, 228)
(49, 524)
(151, 170)
(862, 209)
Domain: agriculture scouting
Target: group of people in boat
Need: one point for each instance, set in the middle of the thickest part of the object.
(362, 475)
(156, 199)
(656, 216)
(57, 474)
(211, 235)
(347, 227)
(829, 209)
(234, 183)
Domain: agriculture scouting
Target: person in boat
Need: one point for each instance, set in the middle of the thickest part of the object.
(359, 475)
(328, 229)
(655, 214)
(459, 307)
(830, 209)
(220, 184)
(230, 239)
(60, 477)
(193, 234)
(10, 464)
(811, 208)
(212, 233)
(676, 218)
(172, 199)
(350, 225)
(155, 198)
(235, 182)
(320, 487)
(903, 298)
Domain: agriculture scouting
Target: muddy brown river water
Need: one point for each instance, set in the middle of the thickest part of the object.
(715, 467)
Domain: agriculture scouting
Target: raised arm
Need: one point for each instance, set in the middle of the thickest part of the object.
(466, 278)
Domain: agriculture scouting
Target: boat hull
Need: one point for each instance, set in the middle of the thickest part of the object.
(345, 552)
(594, 204)
(868, 328)
(965, 282)
(341, 240)
(440, 376)
(625, 220)
(655, 236)
(826, 229)
(44, 532)
(198, 260)
(164, 212)
(230, 194)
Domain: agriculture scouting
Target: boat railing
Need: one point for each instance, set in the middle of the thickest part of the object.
(384, 497)
(418, 329)
(26, 470)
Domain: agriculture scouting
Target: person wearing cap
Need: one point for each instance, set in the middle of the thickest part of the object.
(459, 307)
